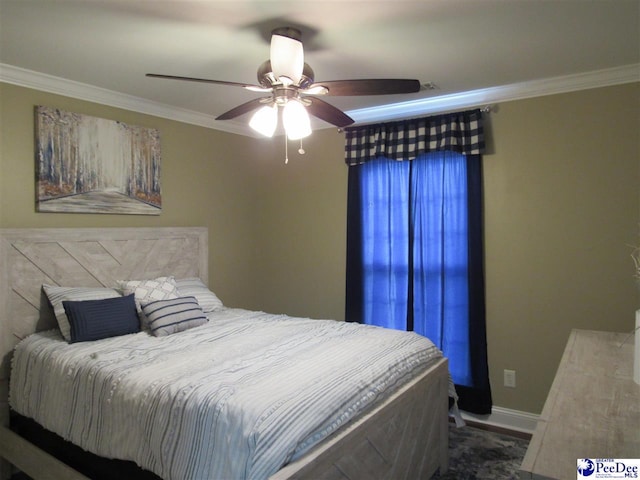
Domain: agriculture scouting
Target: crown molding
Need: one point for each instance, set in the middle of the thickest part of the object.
(82, 91)
(518, 91)
(487, 96)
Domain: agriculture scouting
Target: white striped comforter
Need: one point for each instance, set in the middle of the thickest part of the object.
(236, 398)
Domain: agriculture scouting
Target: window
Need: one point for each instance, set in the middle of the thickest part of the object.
(414, 250)
(415, 256)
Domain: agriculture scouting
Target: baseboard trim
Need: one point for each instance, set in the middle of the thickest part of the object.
(505, 419)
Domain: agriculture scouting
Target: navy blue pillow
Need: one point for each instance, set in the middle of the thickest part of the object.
(97, 319)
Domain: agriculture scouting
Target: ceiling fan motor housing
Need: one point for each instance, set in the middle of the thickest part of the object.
(267, 79)
(288, 32)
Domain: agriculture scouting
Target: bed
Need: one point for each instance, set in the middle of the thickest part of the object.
(402, 434)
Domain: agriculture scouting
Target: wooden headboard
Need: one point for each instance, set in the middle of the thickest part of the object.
(74, 257)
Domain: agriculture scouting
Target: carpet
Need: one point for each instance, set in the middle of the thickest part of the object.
(476, 454)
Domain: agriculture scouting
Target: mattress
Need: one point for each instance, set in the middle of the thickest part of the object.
(236, 398)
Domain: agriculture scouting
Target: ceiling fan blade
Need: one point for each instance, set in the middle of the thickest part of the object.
(373, 86)
(242, 109)
(328, 113)
(205, 80)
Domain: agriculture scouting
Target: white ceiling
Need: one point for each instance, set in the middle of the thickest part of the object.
(470, 49)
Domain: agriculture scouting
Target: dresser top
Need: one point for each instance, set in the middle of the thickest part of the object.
(592, 410)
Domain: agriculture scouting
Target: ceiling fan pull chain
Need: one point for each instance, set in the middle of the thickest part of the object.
(301, 150)
(286, 149)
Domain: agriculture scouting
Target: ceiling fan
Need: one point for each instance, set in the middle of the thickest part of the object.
(291, 85)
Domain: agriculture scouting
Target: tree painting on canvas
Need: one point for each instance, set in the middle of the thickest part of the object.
(87, 164)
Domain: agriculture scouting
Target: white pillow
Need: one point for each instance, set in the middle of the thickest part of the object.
(145, 291)
(57, 295)
(194, 287)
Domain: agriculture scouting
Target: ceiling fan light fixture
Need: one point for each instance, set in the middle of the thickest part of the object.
(296, 120)
(265, 120)
(287, 59)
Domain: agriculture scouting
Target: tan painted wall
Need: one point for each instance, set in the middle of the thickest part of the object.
(561, 205)
(302, 228)
(206, 180)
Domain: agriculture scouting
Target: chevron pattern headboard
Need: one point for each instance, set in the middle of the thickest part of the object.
(73, 257)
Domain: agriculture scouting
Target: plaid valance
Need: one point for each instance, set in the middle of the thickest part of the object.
(460, 132)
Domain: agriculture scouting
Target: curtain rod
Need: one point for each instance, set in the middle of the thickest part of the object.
(484, 109)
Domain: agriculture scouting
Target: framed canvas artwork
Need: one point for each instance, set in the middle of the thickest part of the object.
(86, 164)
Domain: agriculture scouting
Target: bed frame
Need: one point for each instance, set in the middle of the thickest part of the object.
(406, 437)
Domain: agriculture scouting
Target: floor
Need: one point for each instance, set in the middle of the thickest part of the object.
(476, 454)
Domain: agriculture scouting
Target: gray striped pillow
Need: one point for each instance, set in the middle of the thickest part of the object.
(57, 295)
(165, 317)
(194, 287)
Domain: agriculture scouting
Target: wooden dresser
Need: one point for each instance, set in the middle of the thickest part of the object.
(592, 410)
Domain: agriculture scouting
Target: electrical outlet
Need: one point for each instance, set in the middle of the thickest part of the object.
(510, 378)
